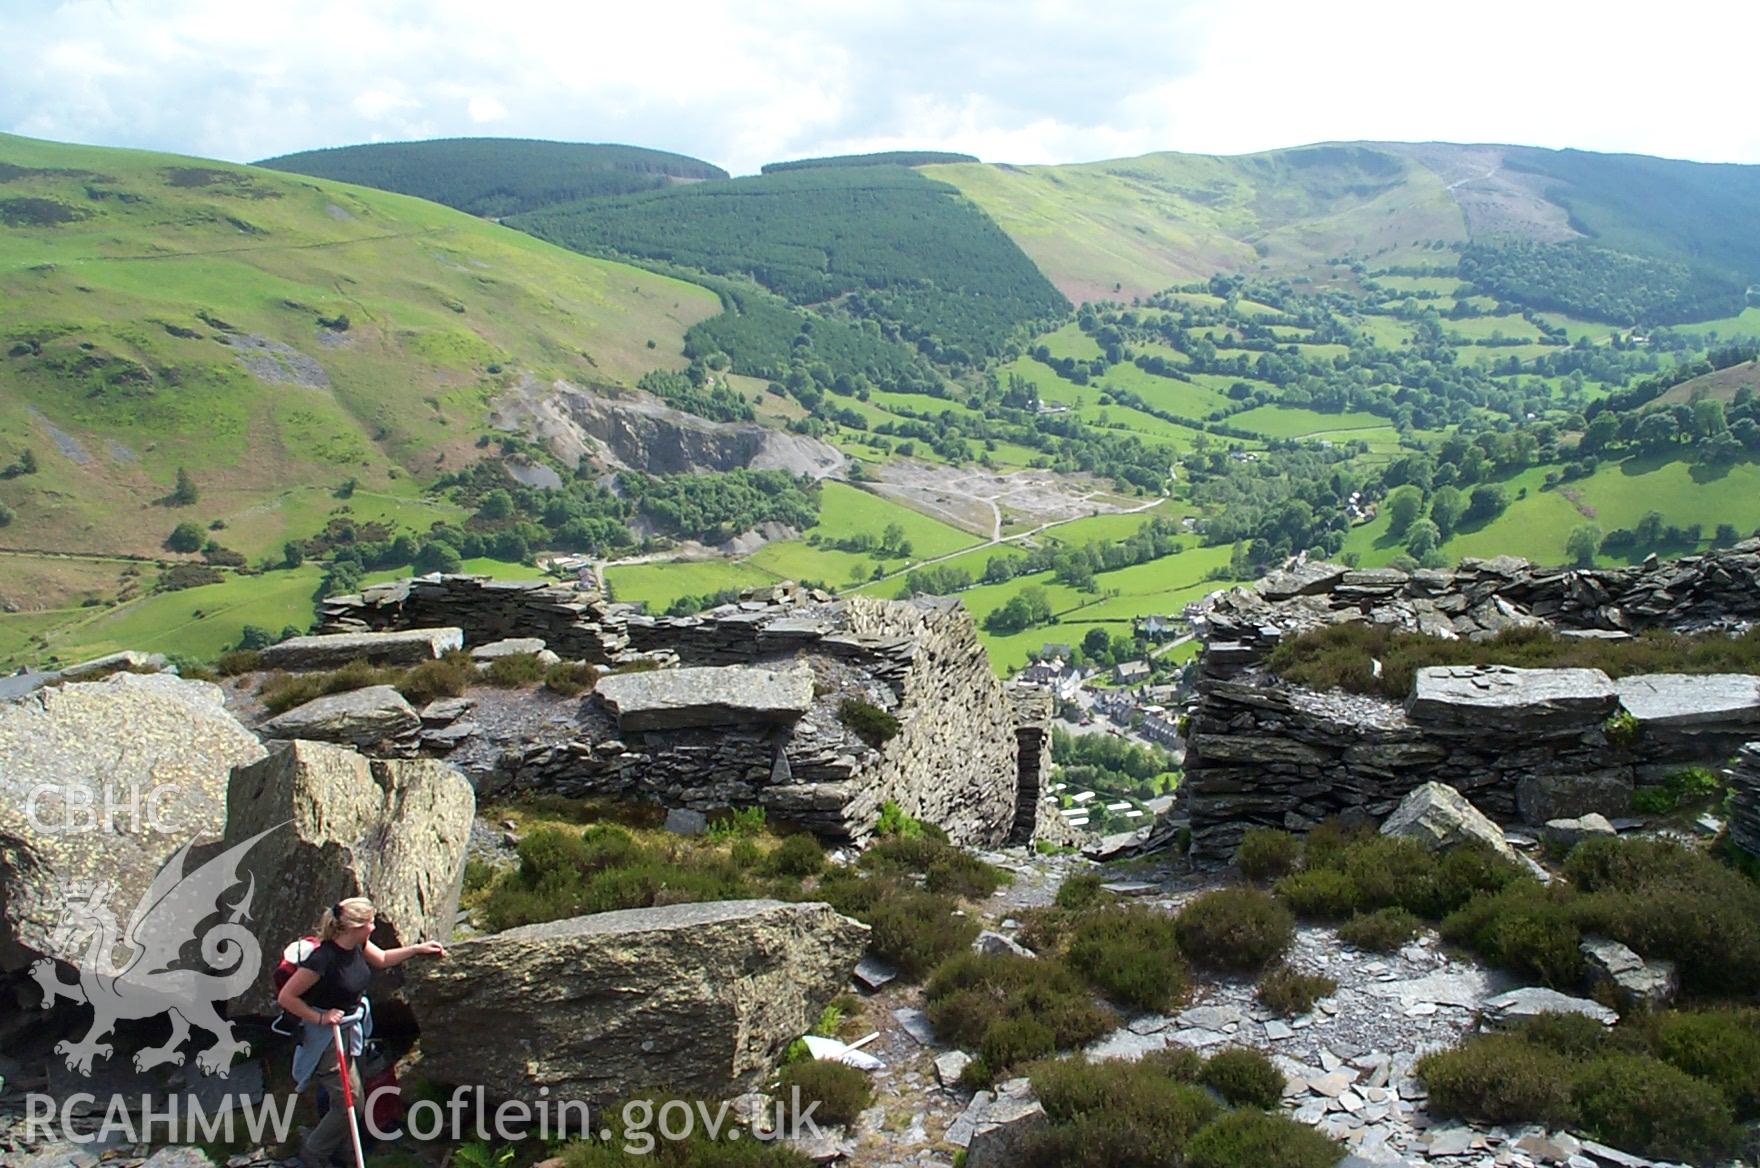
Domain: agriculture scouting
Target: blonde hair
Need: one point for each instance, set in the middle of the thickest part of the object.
(344, 914)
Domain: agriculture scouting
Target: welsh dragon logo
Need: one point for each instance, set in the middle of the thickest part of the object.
(154, 978)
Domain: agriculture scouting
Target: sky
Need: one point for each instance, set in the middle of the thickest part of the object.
(1021, 81)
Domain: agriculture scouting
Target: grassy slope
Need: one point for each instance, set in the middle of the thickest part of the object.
(1129, 227)
(115, 401)
(1721, 385)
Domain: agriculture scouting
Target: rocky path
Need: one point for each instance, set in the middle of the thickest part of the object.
(1349, 1062)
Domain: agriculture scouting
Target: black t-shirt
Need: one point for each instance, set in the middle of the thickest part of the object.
(342, 977)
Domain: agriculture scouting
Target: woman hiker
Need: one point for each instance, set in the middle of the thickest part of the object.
(329, 988)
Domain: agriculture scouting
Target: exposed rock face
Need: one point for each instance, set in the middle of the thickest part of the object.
(334, 650)
(392, 830)
(367, 717)
(104, 781)
(1520, 744)
(639, 431)
(1439, 817)
(955, 760)
(700, 997)
(728, 695)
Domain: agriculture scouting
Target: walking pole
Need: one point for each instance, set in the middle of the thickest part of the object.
(354, 1126)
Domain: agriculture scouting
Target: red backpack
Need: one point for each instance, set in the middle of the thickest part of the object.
(296, 952)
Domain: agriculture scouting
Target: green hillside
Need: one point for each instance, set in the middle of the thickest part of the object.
(1386, 353)
(1696, 213)
(1620, 238)
(1133, 226)
(883, 241)
(883, 158)
(497, 176)
(276, 337)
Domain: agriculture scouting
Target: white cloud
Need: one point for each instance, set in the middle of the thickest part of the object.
(484, 108)
(1009, 80)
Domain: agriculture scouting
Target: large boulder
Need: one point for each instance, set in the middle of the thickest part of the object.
(364, 717)
(1439, 817)
(102, 782)
(699, 998)
(1500, 699)
(1636, 984)
(393, 830)
(1005, 1129)
(334, 650)
(715, 695)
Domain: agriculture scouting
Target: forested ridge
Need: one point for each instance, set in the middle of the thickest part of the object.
(883, 158)
(498, 176)
(884, 242)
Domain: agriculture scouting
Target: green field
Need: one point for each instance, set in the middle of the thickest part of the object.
(199, 623)
(846, 511)
(1440, 285)
(1276, 421)
(1160, 587)
(1745, 325)
(1476, 328)
(658, 585)
(1070, 341)
(196, 622)
(1188, 399)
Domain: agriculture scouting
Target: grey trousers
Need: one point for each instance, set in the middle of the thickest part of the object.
(328, 1142)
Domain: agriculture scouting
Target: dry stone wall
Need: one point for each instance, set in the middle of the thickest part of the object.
(1523, 745)
(955, 759)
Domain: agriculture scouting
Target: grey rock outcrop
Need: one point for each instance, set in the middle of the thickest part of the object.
(996, 1124)
(1634, 982)
(956, 760)
(101, 783)
(334, 650)
(392, 830)
(701, 997)
(637, 430)
(1517, 1006)
(508, 647)
(366, 717)
(1744, 801)
(1686, 701)
(1570, 832)
(1440, 817)
(1002, 1133)
(1522, 745)
(729, 695)
(1543, 797)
